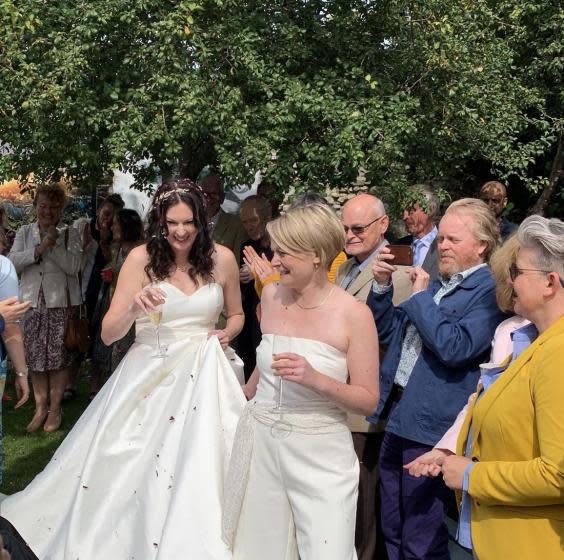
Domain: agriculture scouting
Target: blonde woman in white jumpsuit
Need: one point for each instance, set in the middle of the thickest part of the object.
(292, 486)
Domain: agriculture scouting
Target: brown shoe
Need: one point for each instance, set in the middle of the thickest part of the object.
(37, 421)
(54, 419)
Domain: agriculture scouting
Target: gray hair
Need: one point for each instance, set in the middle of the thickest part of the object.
(432, 199)
(307, 199)
(546, 238)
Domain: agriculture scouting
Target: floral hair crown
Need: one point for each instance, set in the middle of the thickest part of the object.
(159, 199)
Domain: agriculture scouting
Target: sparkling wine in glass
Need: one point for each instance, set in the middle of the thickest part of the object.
(155, 316)
(281, 428)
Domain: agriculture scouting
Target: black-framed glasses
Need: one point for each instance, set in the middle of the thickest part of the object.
(359, 230)
(515, 271)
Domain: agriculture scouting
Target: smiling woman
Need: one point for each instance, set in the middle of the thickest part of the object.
(46, 256)
(514, 483)
(149, 452)
(317, 360)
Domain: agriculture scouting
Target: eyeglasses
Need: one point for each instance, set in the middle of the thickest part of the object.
(359, 230)
(515, 271)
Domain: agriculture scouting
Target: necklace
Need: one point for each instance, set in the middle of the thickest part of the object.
(183, 268)
(324, 300)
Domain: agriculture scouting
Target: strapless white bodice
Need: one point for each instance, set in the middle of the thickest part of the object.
(322, 356)
(183, 315)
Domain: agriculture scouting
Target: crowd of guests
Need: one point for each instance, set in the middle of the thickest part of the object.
(469, 312)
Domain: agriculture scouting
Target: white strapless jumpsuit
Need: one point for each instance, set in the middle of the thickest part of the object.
(293, 497)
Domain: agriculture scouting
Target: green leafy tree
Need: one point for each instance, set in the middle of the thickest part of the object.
(308, 91)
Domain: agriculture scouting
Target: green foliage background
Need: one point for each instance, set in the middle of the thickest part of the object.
(309, 91)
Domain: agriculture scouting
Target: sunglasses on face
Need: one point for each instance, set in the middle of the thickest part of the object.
(359, 230)
(515, 271)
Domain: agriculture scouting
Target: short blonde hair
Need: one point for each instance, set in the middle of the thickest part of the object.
(484, 223)
(501, 260)
(55, 192)
(309, 229)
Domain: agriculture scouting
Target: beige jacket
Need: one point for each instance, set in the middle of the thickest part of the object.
(53, 270)
(360, 288)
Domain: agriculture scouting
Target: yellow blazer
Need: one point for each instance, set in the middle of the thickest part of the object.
(517, 484)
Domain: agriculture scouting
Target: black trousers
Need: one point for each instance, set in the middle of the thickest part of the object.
(14, 543)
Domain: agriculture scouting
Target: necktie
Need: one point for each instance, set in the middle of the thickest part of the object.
(351, 276)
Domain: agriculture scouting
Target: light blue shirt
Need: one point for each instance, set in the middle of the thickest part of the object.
(8, 279)
(522, 338)
(412, 343)
(8, 289)
(421, 246)
(358, 267)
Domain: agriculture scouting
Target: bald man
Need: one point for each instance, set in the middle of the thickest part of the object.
(365, 221)
(494, 194)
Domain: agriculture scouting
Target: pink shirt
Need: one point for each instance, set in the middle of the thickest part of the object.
(502, 348)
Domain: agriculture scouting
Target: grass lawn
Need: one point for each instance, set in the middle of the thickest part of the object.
(25, 455)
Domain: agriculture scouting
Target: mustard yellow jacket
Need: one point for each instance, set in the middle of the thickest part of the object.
(517, 484)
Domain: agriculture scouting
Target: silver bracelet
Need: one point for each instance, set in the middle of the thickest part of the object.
(22, 373)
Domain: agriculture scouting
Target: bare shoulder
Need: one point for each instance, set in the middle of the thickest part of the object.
(223, 256)
(138, 255)
(356, 312)
(224, 264)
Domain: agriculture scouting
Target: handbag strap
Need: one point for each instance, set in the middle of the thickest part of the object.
(79, 275)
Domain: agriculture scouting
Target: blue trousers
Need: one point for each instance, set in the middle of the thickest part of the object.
(412, 508)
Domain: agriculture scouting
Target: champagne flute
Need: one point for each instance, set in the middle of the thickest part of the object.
(155, 316)
(280, 429)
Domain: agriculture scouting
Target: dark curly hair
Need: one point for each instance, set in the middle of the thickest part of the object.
(161, 257)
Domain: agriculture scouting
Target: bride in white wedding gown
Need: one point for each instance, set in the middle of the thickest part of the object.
(141, 474)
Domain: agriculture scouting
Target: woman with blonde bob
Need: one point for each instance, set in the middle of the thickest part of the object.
(293, 477)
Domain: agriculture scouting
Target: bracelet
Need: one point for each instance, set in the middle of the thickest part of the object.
(22, 373)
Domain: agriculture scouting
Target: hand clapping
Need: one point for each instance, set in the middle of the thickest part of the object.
(259, 265)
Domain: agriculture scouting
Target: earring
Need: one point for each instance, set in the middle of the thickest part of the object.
(316, 265)
(163, 232)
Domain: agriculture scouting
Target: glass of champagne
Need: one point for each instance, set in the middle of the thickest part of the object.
(281, 428)
(155, 316)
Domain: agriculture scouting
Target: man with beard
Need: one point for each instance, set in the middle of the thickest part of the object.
(436, 340)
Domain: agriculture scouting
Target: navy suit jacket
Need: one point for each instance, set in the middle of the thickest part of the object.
(456, 335)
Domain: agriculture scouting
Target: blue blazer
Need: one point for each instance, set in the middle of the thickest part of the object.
(456, 335)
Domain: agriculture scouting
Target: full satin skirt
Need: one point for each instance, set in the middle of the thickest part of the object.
(141, 474)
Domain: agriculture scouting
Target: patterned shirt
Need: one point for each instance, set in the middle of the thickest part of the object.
(412, 343)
